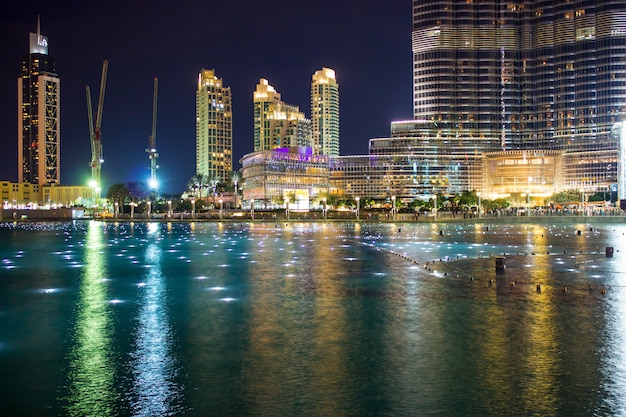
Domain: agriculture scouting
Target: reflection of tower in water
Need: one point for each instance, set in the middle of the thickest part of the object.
(309, 352)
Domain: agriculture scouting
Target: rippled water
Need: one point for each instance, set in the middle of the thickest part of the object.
(311, 319)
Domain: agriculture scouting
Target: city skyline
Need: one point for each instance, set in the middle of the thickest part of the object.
(169, 45)
(509, 99)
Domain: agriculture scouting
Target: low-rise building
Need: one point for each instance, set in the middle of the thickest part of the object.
(19, 193)
(24, 194)
(282, 175)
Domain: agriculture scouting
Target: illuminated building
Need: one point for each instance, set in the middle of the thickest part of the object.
(437, 164)
(38, 126)
(538, 172)
(506, 97)
(410, 164)
(375, 176)
(276, 123)
(531, 76)
(214, 130)
(22, 193)
(325, 112)
(271, 176)
(67, 195)
(25, 194)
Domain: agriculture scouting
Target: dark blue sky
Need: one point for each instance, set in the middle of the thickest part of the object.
(367, 42)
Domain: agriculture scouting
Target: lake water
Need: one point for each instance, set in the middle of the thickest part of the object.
(311, 319)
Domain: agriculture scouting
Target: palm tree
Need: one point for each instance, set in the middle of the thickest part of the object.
(203, 182)
(196, 183)
(213, 182)
(192, 185)
(234, 178)
(117, 194)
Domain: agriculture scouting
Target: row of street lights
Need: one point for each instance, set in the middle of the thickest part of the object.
(324, 207)
(221, 210)
(193, 208)
(132, 205)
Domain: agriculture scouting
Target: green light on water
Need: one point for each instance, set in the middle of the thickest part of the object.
(92, 389)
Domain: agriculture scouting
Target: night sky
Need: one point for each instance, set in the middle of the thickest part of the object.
(367, 43)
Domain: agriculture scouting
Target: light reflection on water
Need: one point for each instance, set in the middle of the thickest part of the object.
(153, 365)
(93, 360)
(613, 361)
(328, 319)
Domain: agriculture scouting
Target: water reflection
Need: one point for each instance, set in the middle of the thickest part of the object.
(92, 388)
(153, 365)
(297, 327)
(540, 356)
(322, 319)
(613, 361)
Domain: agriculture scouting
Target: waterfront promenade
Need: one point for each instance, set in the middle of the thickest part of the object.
(376, 216)
(339, 216)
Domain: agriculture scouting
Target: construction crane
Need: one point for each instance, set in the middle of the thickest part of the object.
(95, 134)
(151, 150)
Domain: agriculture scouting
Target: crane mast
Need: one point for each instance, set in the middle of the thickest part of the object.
(151, 150)
(95, 133)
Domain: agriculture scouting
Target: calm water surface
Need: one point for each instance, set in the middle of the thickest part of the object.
(264, 319)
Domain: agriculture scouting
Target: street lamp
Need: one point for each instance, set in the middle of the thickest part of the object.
(479, 204)
(324, 207)
(235, 180)
(116, 207)
(221, 207)
(169, 209)
(357, 207)
(584, 203)
(193, 209)
(393, 207)
(252, 208)
(132, 209)
(148, 205)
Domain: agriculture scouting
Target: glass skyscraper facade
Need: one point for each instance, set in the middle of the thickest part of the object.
(528, 75)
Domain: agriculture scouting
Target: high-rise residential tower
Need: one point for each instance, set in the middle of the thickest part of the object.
(214, 129)
(522, 76)
(325, 112)
(38, 122)
(277, 124)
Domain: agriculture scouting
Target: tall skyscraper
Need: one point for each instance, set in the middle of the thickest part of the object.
(325, 112)
(277, 124)
(38, 122)
(214, 129)
(522, 76)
